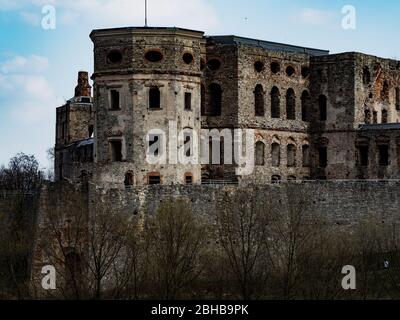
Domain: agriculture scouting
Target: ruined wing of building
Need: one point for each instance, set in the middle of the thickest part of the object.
(316, 116)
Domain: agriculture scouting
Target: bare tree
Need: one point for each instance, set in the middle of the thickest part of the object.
(175, 243)
(242, 226)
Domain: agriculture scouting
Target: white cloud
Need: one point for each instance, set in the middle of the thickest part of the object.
(25, 65)
(315, 16)
(30, 18)
(111, 13)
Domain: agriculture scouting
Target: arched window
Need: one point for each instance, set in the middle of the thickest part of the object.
(276, 154)
(322, 102)
(128, 182)
(259, 101)
(214, 100)
(291, 155)
(188, 178)
(275, 103)
(306, 155)
(305, 106)
(384, 116)
(260, 154)
(290, 104)
(203, 100)
(397, 98)
(154, 98)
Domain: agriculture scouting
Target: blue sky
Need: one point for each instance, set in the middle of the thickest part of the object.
(38, 67)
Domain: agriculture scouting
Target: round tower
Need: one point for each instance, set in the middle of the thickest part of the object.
(147, 89)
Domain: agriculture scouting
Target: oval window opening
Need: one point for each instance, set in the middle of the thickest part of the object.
(114, 56)
(259, 66)
(275, 67)
(154, 56)
(214, 64)
(290, 71)
(188, 58)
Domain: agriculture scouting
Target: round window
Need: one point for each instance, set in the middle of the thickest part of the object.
(188, 58)
(153, 56)
(114, 56)
(275, 67)
(259, 66)
(290, 71)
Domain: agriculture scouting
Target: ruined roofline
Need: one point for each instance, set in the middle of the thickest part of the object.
(146, 31)
(276, 46)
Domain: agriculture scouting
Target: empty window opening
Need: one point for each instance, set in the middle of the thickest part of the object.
(383, 155)
(276, 179)
(214, 99)
(188, 58)
(128, 182)
(154, 179)
(154, 98)
(260, 153)
(291, 155)
(188, 145)
(363, 156)
(116, 150)
(259, 100)
(188, 178)
(115, 103)
(375, 117)
(153, 56)
(322, 108)
(203, 100)
(305, 72)
(188, 101)
(155, 144)
(91, 131)
(291, 178)
(259, 66)
(276, 155)
(275, 67)
(323, 157)
(385, 91)
(290, 104)
(275, 103)
(384, 116)
(202, 64)
(305, 106)
(214, 64)
(114, 57)
(367, 116)
(397, 98)
(290, 71)
(306, 155)
(366, 76)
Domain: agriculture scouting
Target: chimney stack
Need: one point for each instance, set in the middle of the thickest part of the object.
(83, 89)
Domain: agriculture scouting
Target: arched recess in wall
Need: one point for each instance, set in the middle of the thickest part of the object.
(275, 103)
(290, 104)
(397, 98)
(214, 100)
(276, 154)
(306, 154)
(291, 153)
(385, 91)
(259, 101)
(260, 153)
(305, 106)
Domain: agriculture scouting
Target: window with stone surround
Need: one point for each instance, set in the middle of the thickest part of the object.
(214, 100)
(154, 98)
(260, 153)
(305, 106)
(322, 102)
(259, 101)
(276, 154)
(275, 103)
(290, 104)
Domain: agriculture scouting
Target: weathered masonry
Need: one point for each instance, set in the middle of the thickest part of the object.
(316, 116)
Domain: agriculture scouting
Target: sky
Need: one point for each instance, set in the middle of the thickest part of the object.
(44, 43)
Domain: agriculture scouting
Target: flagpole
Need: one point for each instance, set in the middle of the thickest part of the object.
(145, 13)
